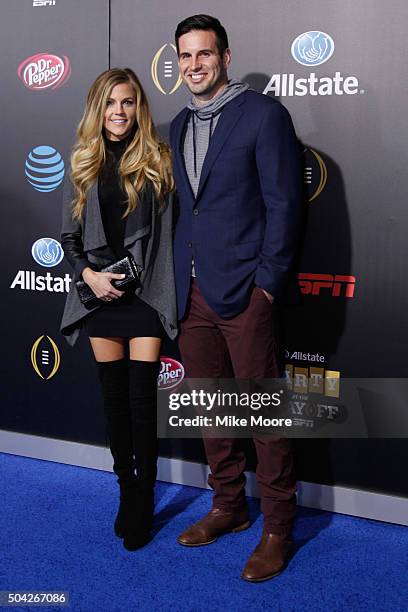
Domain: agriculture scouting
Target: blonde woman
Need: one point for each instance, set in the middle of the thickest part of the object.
(118, 201)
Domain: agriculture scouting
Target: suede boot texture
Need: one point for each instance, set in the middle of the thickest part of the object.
(114, 378)
(143, 408)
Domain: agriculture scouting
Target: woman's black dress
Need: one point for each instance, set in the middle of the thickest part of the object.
(127, 316)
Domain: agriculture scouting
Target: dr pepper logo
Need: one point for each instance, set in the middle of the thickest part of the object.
(44, 71)
(171, 373)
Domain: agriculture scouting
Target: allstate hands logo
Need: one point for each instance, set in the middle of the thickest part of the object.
(47, 252)
(44, 168)
(312, 48)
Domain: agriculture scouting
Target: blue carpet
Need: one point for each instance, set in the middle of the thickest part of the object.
(56, 530)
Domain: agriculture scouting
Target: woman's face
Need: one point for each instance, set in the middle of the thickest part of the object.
(120, 114)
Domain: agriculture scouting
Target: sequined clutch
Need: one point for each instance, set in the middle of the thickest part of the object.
(126, 266)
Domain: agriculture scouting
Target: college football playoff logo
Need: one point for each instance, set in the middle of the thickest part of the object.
(315, 176)
(45, 357)
(164, 70)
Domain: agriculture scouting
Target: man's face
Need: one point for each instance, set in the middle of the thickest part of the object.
(201, 67)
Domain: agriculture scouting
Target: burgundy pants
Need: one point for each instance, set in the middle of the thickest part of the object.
(244, 347)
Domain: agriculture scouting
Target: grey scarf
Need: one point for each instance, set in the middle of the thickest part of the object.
(210, 113)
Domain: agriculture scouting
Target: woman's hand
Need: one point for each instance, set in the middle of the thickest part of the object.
(101, 285)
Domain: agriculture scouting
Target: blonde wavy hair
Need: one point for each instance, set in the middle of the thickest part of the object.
(145, 159)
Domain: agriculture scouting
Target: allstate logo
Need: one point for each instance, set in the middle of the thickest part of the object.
(312, 48)
(44, 168)
(171, 373)
(164, 69)
(44, 71)
(47, 252)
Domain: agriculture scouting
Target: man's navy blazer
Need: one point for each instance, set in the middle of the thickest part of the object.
(242, 228)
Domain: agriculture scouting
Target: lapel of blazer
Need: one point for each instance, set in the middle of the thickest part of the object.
(94, 235)
(178, 153)
(138, 223)
(229, 116)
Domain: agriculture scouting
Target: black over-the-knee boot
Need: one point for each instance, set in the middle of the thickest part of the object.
(143, 406)
(114, 378)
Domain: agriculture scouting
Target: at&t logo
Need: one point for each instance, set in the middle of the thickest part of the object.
(164, 69)
(44, 71)
(312, 48)
(171, 373)
(45, 357)
(47, 252)
(44, 168)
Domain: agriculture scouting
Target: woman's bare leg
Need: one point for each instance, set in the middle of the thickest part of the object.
(108, 349)
(144, 349)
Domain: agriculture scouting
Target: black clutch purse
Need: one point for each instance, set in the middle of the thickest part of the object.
(126, 266)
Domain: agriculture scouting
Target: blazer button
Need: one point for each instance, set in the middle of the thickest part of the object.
(189, 244)
(195, 211)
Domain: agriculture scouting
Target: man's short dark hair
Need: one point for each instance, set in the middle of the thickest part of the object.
(203, 22)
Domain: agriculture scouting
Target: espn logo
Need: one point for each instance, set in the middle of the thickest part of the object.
(313, 380)
(338, 284)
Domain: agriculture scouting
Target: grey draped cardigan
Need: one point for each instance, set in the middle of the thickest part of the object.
(153, 255)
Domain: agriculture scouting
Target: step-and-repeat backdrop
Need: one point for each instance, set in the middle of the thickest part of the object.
(339, 69)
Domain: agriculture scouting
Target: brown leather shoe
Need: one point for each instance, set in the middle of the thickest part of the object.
(215, 523)
(268, 559)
